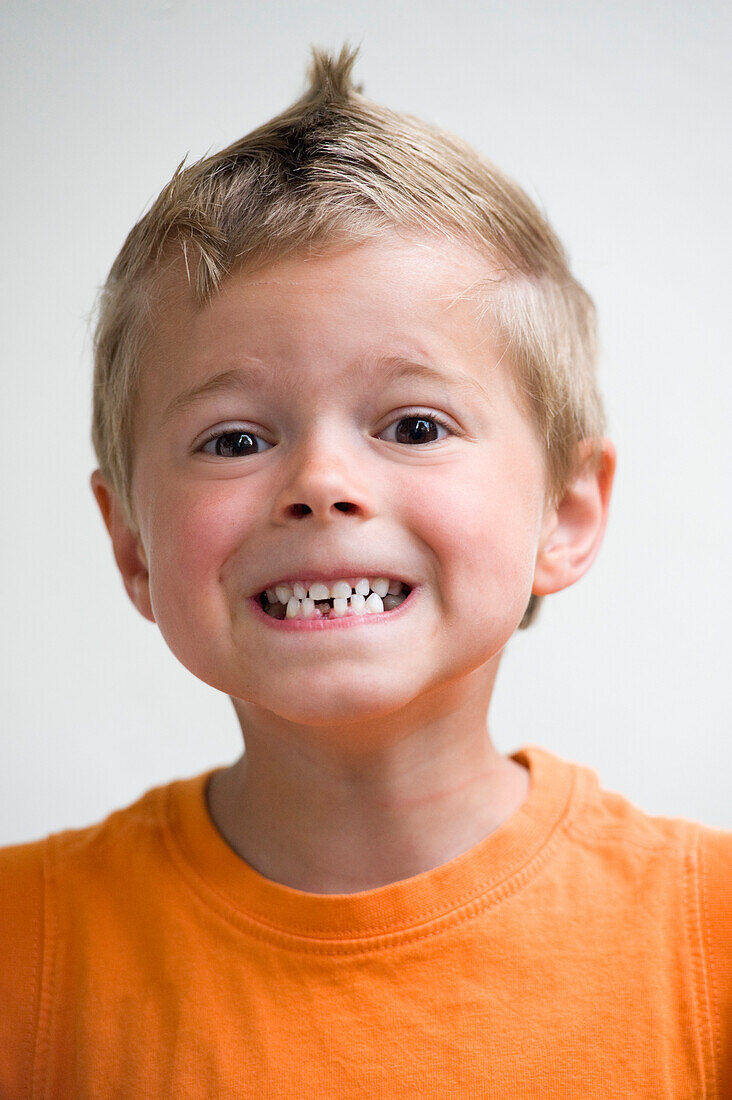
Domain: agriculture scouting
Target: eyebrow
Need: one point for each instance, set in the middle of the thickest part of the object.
(397, 367)
(235, 378)
(391, 368)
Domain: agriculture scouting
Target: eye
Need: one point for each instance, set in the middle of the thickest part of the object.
(416, 428)
(233, 443)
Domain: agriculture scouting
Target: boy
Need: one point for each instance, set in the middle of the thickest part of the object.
(349, 435)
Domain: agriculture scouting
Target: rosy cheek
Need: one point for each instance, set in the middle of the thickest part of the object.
(197, 535)
(476, 532)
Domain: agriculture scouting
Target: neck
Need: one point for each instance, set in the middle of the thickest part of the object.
(305, 808)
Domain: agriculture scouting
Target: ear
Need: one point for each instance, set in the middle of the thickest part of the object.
(572, 531)
(129, 553)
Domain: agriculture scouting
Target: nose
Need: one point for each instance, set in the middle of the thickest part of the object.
(323, 485)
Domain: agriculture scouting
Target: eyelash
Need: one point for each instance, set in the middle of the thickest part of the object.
(422, 414)
(415, 414)
(220, 433)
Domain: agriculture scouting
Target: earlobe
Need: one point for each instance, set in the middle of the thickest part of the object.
(129, 552)
(573, 530)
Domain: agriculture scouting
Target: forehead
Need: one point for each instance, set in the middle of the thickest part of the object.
(374, 301)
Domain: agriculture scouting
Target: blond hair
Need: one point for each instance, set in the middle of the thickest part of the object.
(336, 168)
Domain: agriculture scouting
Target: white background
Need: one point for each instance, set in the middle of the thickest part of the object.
(615, 118)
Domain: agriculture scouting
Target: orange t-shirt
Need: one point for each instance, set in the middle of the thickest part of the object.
(582, 949)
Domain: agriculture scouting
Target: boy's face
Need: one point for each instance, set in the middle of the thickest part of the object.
(333, 369)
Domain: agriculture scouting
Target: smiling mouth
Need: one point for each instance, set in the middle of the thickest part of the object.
(368, 596)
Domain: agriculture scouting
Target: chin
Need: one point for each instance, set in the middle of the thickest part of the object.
(335, 704)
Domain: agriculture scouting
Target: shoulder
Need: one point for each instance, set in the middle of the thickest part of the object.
(715, 908)
(22, 920)
(678, 867)
(22, 882)
(601, 815)
(49, 888)
(714, 847)
(715, 862)
(712, 858)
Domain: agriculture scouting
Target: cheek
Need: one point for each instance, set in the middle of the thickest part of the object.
(196, 534)
(483, 533)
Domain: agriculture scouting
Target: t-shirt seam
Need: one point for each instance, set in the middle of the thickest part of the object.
(38, 932)
(47, 975)
(368, 941)
(691, 891)
(707, 961)
(258, 927)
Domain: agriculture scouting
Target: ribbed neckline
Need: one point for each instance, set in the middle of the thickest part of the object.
(397, 907)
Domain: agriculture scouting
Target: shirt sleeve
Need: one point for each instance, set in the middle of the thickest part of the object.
(716, 907)
(21, 963)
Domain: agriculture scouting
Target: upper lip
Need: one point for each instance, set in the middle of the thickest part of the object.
(347, 572)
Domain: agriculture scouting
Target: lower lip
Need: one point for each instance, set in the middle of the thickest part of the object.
(342, 623)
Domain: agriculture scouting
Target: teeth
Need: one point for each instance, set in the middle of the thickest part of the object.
(341, 590)
(369, 596)
(358, 604)
(374, 604)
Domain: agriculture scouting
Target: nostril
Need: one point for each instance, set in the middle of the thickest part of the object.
(300, 509)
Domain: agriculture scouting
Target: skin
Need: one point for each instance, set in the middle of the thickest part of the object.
(368, 755)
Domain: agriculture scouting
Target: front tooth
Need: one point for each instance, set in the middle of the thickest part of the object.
(374, 604)
(283, 592)
(319, 591)
(380, 585)
(340, 606)
(341, 590)
(358, 604)
(293, 607)
(362, 587)
(308, 608)
(299, 590)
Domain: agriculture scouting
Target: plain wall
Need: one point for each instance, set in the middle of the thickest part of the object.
(615, 118)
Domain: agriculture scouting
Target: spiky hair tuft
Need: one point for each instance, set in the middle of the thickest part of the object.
(329, 77)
